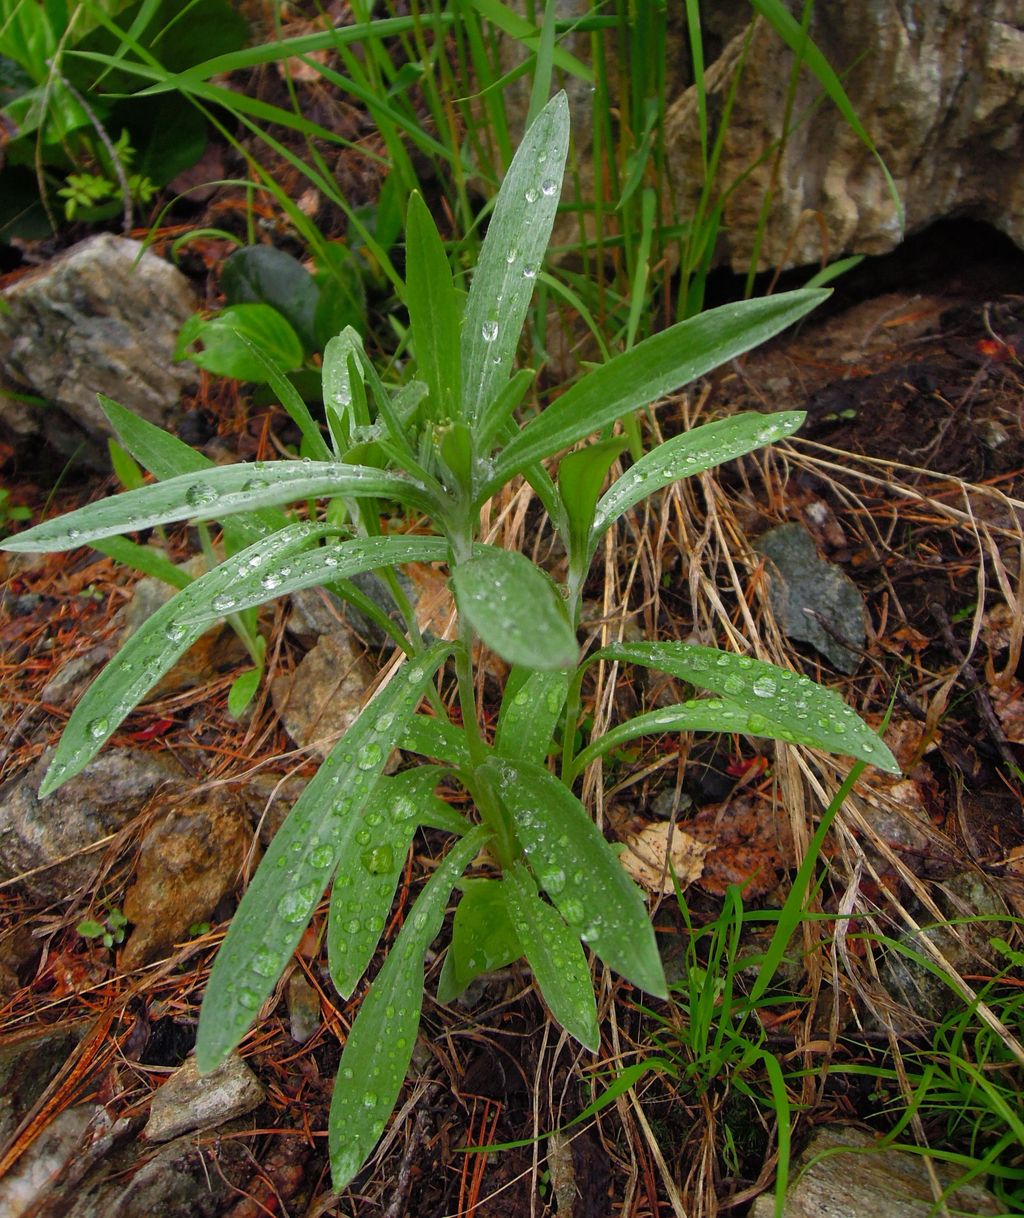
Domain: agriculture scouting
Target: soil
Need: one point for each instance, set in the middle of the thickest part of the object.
(906, 473)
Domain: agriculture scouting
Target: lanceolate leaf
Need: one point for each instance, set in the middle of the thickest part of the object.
(380, 1044)
(529, 715)
(265, 580)
(321, 829)
(690, 453)
(213, 494)
(367, 875)
(433, 310)
(769, 701)
(651, 369)
(555, 954)
(580, 872)
(517, 236)
(515, 609)
(580, 476)
(483, 938)
(431, 737)
(165, 456)
(152, 651)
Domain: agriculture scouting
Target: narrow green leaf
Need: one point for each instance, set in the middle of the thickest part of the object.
(510, 257)
(483, 938)
(380, 1044)
(579, 871)
(265, 580)
(230, 339)
(165, 456)
(434, 312)
(288, 396)
(774, 701)
(367, 876)
(690, 453)
(321, 829)
(151, 652)
(126, 468)
(515, 609)
(432, 737)
(144, 559)
(555, 954)
(216, 492)
(243, 690)
(656, 366)
(528, 716)
(580, 477)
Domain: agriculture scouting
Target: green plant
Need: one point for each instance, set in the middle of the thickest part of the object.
(71, 127)
(442, 445)
(109, 931)
(11, 513)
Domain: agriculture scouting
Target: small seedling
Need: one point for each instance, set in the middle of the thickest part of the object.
(109, 931)
(443, 444)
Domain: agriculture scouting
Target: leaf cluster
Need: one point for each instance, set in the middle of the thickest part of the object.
(442, 444)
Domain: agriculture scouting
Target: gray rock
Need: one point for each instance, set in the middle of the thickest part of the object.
(877, 1184)
(939, 84)
(188, 1101)
(304, 1014)
(919, 993)
(102, 317)
(51, 833)
(27, 1066)
(320, 700)
(806, 591)
(318, 611)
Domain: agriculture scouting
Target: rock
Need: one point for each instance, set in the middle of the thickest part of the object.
(939, 85)
(304, 1014)
(269, 798)
(880, 1184)
(318, 611)
(190, 859)
(966, 946)
(46, 1175)
(806, 592)
(323, 696)
(27, 1066)
(103, 317)
(52, 833)
(188, 1102)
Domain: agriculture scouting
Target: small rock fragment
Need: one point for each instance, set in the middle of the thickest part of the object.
(304, 1013)
(321, 699)
(187, 1101)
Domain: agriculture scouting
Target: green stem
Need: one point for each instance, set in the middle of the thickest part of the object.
(572, 713)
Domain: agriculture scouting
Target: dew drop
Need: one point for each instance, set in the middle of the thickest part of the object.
(199, 494)
(572, 910)
(756, 724)
(764, 687)
(378, 861)
(489, 330)
(530, 270)
(353, 926)
(270, 581)
(175, 631)
(383, 722)
(511, 255)
(224, 602)
(370, 1099)
(733, 684)
(98, 728)
(322, 856)
(532, 194)
(248, 999)
(369, 756)
(264, 963)
(548, 187)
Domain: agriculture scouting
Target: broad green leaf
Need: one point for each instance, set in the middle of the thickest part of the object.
(367, 876)
(555, 954)
(432, 737)
(691, 453)
(579, 871)
(216, 492)
(517, 236)
(265, 581)
(243, 690)
(514, 608)
(380, 1043)
(152, 651)
(263, 274)
(433, 310)
(322, 828)
(165, 456)
(775, 701)
(656, 366)
(483, 938)
(225, 350)
(529, 714)
(580, 477)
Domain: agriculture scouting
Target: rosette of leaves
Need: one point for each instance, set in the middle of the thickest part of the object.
(442, 444)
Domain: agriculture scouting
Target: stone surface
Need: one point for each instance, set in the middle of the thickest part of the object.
(876, 1184)
(323, 696)
(189, 860)
(187, 1102)
(808, 594)
(100, 318)
(27, 1065)
(939, 85)
(304, 1014)
(101, 800)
